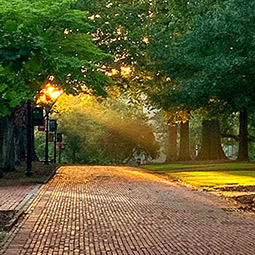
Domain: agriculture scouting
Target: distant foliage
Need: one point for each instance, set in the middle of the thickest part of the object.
(108, 132)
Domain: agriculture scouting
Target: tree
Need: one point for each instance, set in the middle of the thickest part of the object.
(205, 44)
(41, 39)
(216, 53)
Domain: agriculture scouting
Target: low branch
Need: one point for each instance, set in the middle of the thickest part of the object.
(235, 137)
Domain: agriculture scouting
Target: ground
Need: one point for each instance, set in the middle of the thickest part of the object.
(120, 210)
(15, 187)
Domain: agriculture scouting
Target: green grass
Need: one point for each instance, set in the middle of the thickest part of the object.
(209, 176)
(200, 167)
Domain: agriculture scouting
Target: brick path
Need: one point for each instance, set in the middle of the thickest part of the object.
(117, 210)
(12, 195)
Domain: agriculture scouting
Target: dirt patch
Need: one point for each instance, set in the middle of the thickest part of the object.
(5, 216)
(41, 173)
(250, 188)
(246, 197)
(247, 201)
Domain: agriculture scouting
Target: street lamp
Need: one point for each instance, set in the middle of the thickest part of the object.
(48, 97)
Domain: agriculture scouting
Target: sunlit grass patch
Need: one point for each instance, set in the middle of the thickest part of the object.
(209, 176)
(215, 179)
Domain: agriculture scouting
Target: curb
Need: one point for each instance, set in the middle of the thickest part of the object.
(20, 209)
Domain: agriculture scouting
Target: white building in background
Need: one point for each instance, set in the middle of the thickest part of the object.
(231, 151)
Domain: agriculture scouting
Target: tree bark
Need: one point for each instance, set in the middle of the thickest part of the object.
(20, 150)
(211, 141)
(34, 156)
(2, 130)
(243, 154)
(17, 132)
(9, 161)
(172, 144)
(184, 142)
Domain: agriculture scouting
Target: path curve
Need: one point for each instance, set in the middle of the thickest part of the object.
(96, 210)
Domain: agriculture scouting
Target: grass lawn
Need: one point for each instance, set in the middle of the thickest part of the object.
(209, 176)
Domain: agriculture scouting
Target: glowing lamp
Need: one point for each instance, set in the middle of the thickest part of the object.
(126, 71)
(49, 93)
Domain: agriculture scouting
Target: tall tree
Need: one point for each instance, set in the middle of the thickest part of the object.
(217, 52)
(40, 40)
(210, 55)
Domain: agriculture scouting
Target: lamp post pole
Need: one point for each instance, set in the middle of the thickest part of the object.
(29, 172)
(46, 161)
(55, 145)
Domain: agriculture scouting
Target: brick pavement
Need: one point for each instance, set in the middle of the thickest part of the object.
(12, 195)
(118, 210)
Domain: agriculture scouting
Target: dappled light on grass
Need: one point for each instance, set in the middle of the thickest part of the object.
(79, 174)
(214, 179)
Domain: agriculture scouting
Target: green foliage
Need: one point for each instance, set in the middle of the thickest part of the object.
(42, 38)
(214, 58)
(120, 28)
(130, 18)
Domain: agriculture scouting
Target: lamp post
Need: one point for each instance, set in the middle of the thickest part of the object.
(59, 139)
(53, 128)
(55, 144)
(48, 94)
(47, 115)
(46, 159)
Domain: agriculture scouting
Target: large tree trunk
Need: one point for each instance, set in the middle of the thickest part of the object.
(172, 144)
(211, 141)
(20, 150)
(16, 146)
(22, 146)
(2, 130)
(243, 134)
(9, 161)
(34, 156)
(184, 142)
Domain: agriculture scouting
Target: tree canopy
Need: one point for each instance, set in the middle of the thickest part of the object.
(39, 39)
